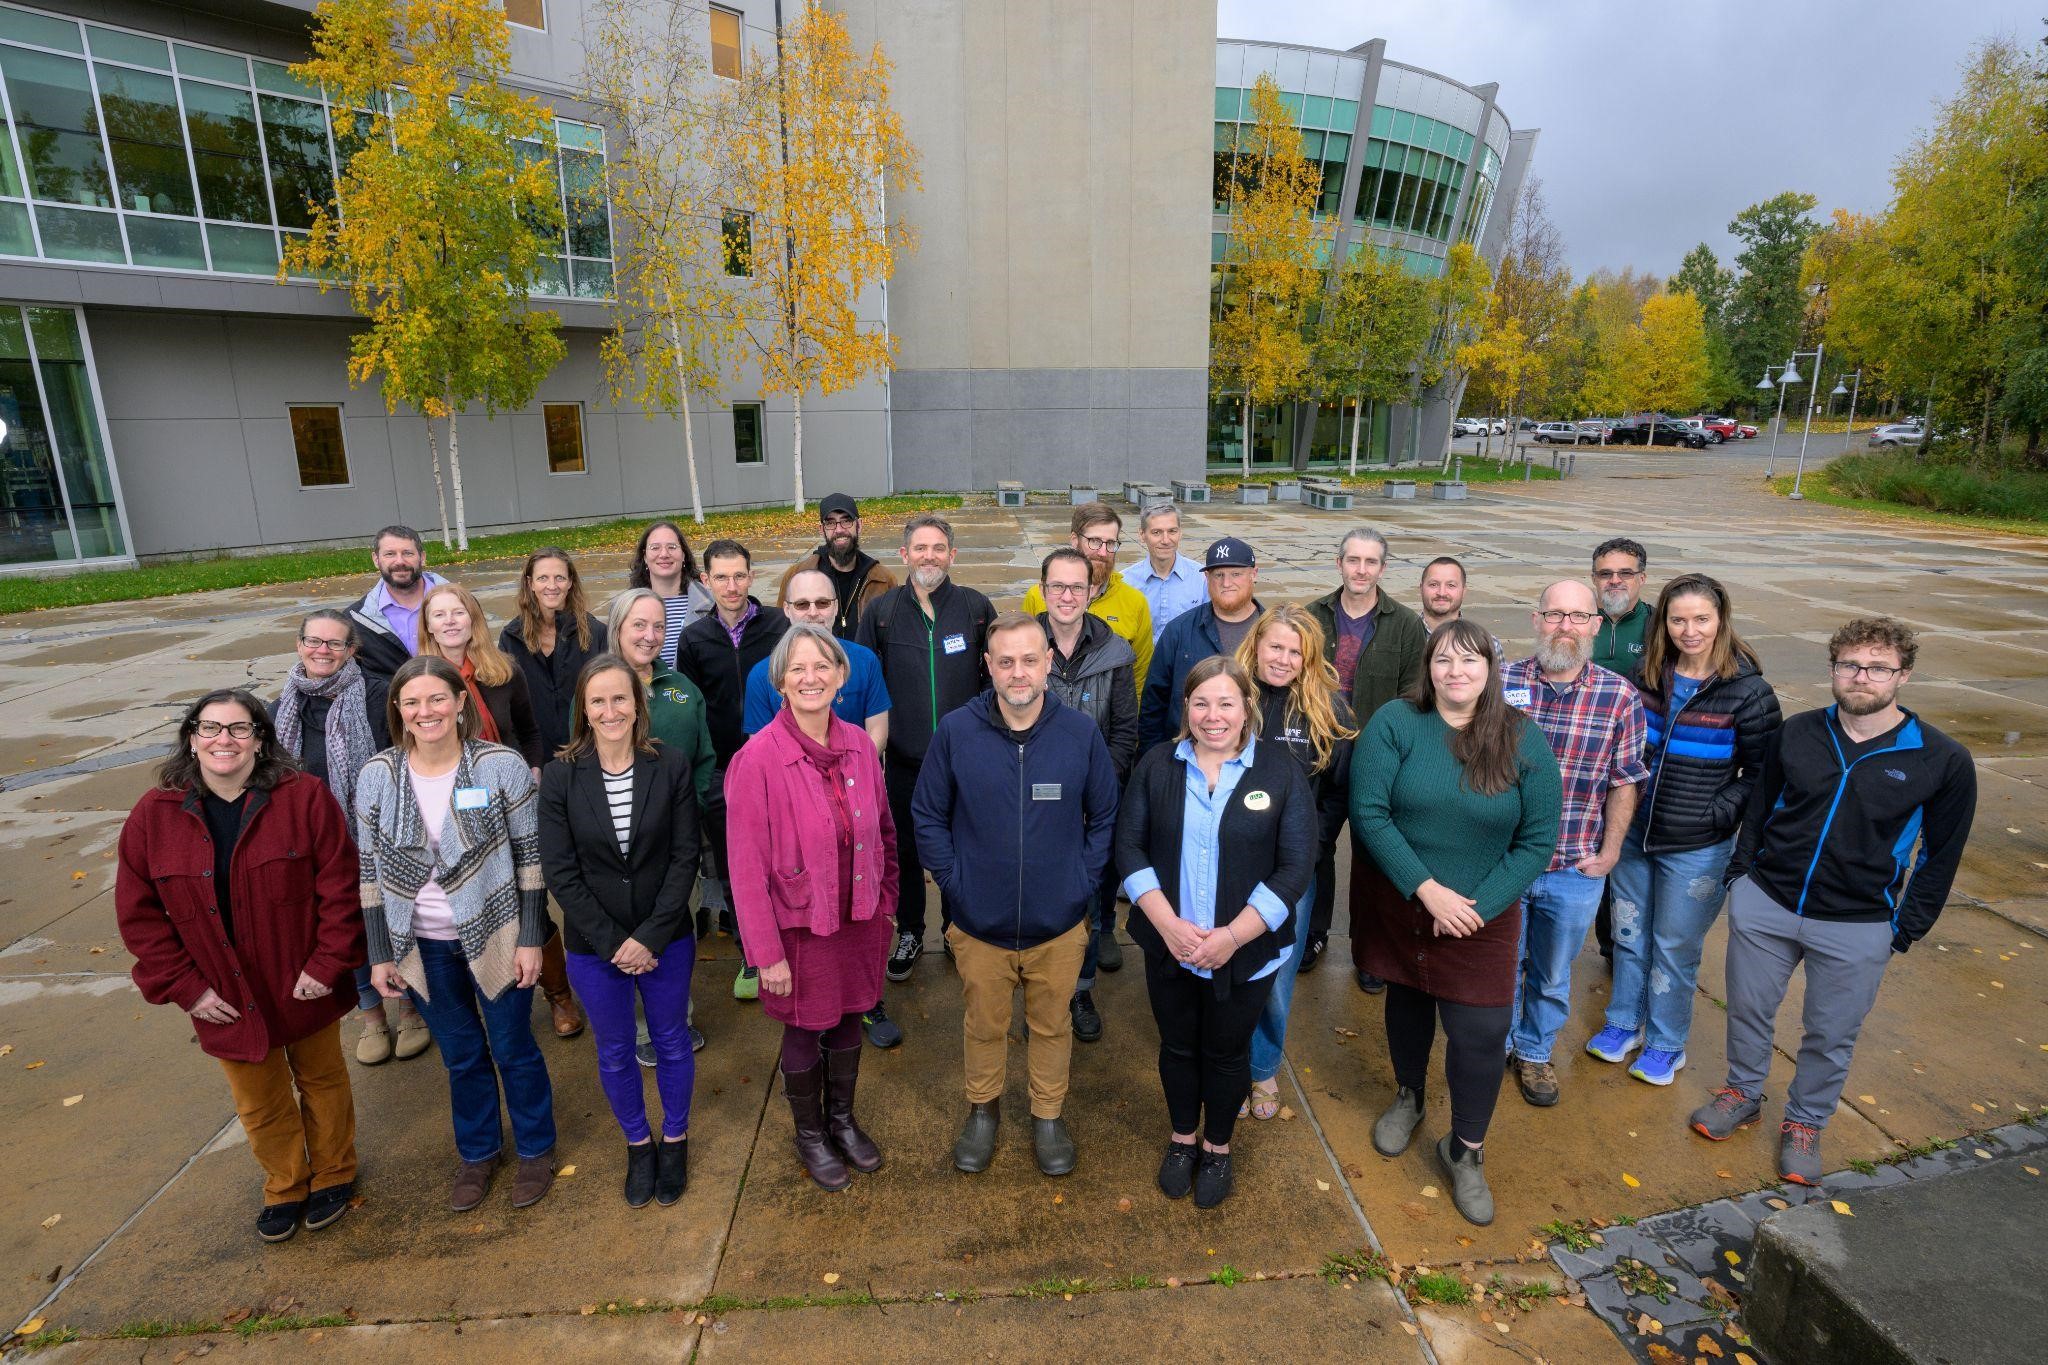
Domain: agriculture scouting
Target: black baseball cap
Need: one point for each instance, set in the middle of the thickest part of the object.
(839, 503)
(1229, 553)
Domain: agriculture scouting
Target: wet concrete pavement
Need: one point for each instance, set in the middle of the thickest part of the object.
(124, 1135)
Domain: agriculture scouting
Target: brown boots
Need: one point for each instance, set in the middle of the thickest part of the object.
(842, 1073)
(828, 1139)
(554, 983)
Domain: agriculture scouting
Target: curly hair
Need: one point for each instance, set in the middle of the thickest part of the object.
(1876, 630)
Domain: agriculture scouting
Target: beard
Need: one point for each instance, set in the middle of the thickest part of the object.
(403, 577)
(1861, 703)
(928, 579)
(1562, 653)
(1615, 602)
(844, 545)
(1098, 571)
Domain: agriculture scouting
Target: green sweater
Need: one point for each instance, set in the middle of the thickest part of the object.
(1618, 644)
(1417, 818)
(675, 716)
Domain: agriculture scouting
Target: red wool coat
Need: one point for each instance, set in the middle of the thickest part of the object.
(295, 908)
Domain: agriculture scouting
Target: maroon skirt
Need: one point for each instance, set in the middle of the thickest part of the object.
(831, 975)
(1401, 944)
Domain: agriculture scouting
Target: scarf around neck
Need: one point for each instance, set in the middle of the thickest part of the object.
(349, 742)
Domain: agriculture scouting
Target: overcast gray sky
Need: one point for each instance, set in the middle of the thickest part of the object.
(1662, 119)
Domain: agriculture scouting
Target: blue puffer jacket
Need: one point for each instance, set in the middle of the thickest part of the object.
(1708, 757)
(1015, 834)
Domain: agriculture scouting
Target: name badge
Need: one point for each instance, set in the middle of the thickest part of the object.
(1045, 791)
(954, 644)
(1257, 800)
(1517, 696)
(471, 798)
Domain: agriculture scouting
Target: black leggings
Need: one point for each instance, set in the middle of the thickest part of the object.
(800, 1045)
(1205, 1045)
(1475, 1042)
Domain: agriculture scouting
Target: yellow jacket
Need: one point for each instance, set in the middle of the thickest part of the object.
(1124, 609)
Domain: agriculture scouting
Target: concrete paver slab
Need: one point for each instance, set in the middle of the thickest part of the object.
(652, 1339)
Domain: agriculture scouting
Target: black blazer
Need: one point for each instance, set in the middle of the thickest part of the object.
(511, 707)
(550, 686)
(1276, 845)
(607, 898)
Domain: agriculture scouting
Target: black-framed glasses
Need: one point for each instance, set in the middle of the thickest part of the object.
(320, 646)
(1098, 544)
(1558, 618)
(237, 729)
(839, 519)
(1065, 589)
(1875, 672)
(1617, 575)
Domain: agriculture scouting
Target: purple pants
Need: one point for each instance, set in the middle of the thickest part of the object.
(607, 996)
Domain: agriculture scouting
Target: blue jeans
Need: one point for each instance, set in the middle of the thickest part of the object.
(1269, 1035)
(1557, 911)
(1663, 905)
(483, 1042)
(367, 998)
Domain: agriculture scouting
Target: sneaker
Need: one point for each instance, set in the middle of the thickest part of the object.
(1613, 1044)
(1087, 1023)
(1109, 954)
(1729, 1111)
(1312, 952)
(1212, 1180)
(1370, 984)
(696, 1044)
(1656, 1066)
(326, 1207)
(908, 950)
(747, 985)
(277, 1222)
(1538, 1081)
(1177, 1170)
(1799, 1153)
(882, 1031)
(643, 1053)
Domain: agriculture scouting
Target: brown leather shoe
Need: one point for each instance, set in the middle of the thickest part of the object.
(554, 983)
(472, 1182)
(1538, 1082)
(533, 1180)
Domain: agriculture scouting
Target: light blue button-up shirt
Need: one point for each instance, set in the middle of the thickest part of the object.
(1200, 850)
(1171, 594)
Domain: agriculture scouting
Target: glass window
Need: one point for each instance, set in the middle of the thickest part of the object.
(738, 231)
(1226, 102)
(295, 136)
(1292, 104)
(1344, 113)
(10, 174)
(279, 80)
(226, 151)
(588, 218)
(164, 242)
(1403, 129)
(565, 437)
(1311, 145)
(527, 13)
(242, 251)
(1333, 187)
(1315, 111)
(592, 279)
(1337, 147)
(746, 433)
(213, 66)
(133, 48)
(39, 29)
(54, 115)
(80, 235)
(148, 145)
(725, 43)
(33, 525)
(15, 237)
(74, 422)
(1382, 122)
(316, 441)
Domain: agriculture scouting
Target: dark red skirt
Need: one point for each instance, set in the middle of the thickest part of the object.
(1401, 944)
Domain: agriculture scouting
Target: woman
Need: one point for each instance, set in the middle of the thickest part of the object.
(330, 717)
(234, 893)
(618, 841)
(452, 626)
(663, 563)
(813, 851)
(1308, 718)
(1456, 798)
(456, 913)
(550, 641)
(1216, 843)
(1710, 714)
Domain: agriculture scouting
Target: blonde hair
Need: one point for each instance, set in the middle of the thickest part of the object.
(492, 668)
(1312, 694)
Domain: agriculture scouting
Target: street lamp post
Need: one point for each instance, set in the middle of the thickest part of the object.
(1856, 383)
(1807, 430)
(1766, 384)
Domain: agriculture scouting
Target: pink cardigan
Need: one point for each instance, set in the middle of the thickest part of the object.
(779, 841)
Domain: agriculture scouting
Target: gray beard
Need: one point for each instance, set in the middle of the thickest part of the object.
(1615, 604)
(1567, 656)
(928, 580)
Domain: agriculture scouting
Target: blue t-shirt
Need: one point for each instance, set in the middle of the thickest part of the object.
(864, 695)
(1682, 689)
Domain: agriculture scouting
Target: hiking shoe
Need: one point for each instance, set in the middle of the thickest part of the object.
(1087, 1022)
(907, 951)
(1538, 1081)
(1466, 1166)
(882, 1031)
(1312, 952)
(1613, 1044)
(747, 985)
(1177, 1170)
(1212, 1180)
(1396, 1128)
(696, 1045)
(277, 1222)
(1799, 1153)
(1370, 984)
(1109, 954)
(1719, 1118)
(1657, 1066)
(643, 1053)
(326, 1207)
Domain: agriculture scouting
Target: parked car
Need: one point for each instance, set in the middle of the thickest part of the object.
(1718, 429)
(1468, 426)
(1745, 431)
(1527, 424)
(1563, 434)
(1899, 434)
(1667, 432)
(1596, 428)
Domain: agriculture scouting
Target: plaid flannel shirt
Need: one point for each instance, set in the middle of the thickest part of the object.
(1595, 727)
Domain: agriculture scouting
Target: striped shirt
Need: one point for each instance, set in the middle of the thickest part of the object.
(1595, 727)
(677, 615)
(618, 795)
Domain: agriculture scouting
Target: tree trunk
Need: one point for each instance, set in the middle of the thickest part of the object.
(455, 479)
(1246, 451)
(675, 342)
(1357, 416)
(440, 492)
(1305, 434)
(797, 446)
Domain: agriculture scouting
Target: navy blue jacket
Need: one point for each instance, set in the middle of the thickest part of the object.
(1188, 639)
(1015, 834)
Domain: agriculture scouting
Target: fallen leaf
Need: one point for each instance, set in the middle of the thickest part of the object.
(1738, 1277)
(587, 1309)
(316, 1336)
(1409, 1328)
(1725, 1175)
(78, 876)
(1419, 1212)
(1323, 1185)
(1059, 1199)
(1744, 1358)
(94, 952)
(1173, 1281)
(1631, 1181)
(52, 1221)
(1973, 1104)
(1777, 1203)
(1429, 1192)
(238, 1316)
(1068, 1297)
(1733, 1257)
(1839, 1207)
(1868, 1099)
(565, 1172)
(31, 1066)
(1286, 1114)
(31, 1327)
(1980, 1152)
(6, 1048)
(1998, 985)
(1123, 1205)
(1501, 1328)
(1648, 1325)
(1706, 1345)
(1661, 1354)
(1467, 1241)
(831, 1277)
(2031, 1170)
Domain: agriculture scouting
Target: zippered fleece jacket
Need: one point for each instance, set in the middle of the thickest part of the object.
(1016, 830)
(931, 665)
(1834, 838)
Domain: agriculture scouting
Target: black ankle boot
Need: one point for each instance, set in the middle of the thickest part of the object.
(672, 1170)
(639, 1175)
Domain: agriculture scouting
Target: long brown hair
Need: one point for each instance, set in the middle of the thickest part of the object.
(493, 669)
(581, 739)
(1660, 656)
(180, 771)
(531, 623)
(1489, 747)
(1230, 668)
(1312, 695)
(467, 723)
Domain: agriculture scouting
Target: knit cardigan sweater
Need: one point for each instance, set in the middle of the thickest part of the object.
(489, 863)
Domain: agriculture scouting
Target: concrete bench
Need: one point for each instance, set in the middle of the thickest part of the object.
(1328, 497)
(1254, 494)
(1134, 491)
(1448, 490)
(1191, 490)
(1009, 493)
(1287, 490)
(1400, 490)
(1079, 494)
(1151, 495)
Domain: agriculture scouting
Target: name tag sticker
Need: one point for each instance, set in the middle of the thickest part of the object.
(1516, 696)
(1257, 800)
(1045, 791)
(471, 798)
(955, 644)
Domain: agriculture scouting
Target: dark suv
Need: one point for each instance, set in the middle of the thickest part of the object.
(1669, 432)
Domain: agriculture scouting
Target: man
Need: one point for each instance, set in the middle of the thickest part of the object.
(1091, 673)
(1619, 569)
(1014, 810)
(1815, 879)
(1095, 532)
(387, 618)
(717, 652)
(930, 635)
(1594, 722)
(1171, 582)
(864, 700)
(1230, 572)
(857, 578)
(1443, 592)
(1375, 644)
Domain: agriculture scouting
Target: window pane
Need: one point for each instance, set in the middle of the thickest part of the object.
(214, 66)
(14, 234)
(10, 176)
(39, 29)
(78, 235)
(1311, 146)
(725, 43)
(592, 279)
(588, 136)
(526, 13)
(165, 242)
(148, 146)
(1292, 104)
(74, 422)
(316, 440)
(279, 80)
(565, 437)
(746, 433)
(1315, 111)
(738, 231)
(226, 152)
(1226, 103)
(243, 251)
(53, 112)
(1403, 129)
(128, 47)
(552, 280)
(1344, 114)
(1333, 187)
(588, 220)
(295, 135)
(1337, 147)
(32, 521)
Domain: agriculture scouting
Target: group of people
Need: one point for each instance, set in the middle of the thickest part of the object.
(399, 819)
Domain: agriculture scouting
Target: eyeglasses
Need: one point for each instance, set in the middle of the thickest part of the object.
(818, 604)
(837, 520)
(1616, 575)
(1875, 672)
(1065, 589)
(1098, 545)
(320, 646)
(1558, 618)
(211, 729)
